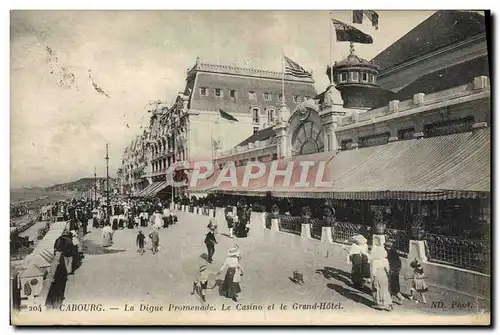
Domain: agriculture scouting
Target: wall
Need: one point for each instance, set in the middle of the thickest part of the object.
(205, 126)
(481, 109)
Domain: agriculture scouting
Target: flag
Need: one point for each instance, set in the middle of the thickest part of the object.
(97, 88)
(215, 144)
(227, 116)
(347, 33)
(357, 17)
(294, 69)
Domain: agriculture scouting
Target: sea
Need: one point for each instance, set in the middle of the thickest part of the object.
(38, 197)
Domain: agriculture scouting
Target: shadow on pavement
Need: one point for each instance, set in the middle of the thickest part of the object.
(92, 248)
(350, 294)
(204, 256)
(332, 273)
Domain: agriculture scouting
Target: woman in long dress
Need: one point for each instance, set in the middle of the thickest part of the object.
(107, 236)
(231, 286)
(380, 278)
(358, 258)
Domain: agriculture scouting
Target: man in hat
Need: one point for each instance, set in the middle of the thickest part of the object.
(394, 270)
(155, 240)
(140, 241)
(210, 242)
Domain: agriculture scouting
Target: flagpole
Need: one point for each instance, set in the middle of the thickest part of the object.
(283, 69)
(331, 57)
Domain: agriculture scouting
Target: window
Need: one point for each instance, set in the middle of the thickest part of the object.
(449, 127)
(255, 130)
(252, 96)
(296, 98)
(306, 98)
(255, 115)
(345, 144)
(203, 91)
(275, 157)
(280, 97)
(406, 134)
(370, 141)
(270, 115)
(364, 76)
(343, 77)
(218, 92)
(372, 78)
(267, 96)
(354, 76)
(232, 94)
(220, 166)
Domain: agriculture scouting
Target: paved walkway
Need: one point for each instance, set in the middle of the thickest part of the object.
(119, 275)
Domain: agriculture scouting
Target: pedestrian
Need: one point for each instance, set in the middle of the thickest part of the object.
(155, 240)
(157, 219)
(210, 242)
(395, 269)
(76, 249)
(140, 241)
(166, 217)
(230, 220)
(380, 278)
(201, 283)
(107, 235)
(358, 258)
(418, 284)
(64, 244)
(231, 285)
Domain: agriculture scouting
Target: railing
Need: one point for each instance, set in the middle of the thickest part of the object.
(460, 252)
(400, 240)
(343, 231)
(268, 221)
(316, 228)
(290, 224)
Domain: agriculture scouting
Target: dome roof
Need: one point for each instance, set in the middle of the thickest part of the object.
(355, 61)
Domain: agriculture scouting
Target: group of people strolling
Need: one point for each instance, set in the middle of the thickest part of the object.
(381, 267)
(68, 244)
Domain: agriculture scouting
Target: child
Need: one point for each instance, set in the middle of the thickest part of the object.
(140, 242)
(418, 284)
(200, 284)
(155, 240)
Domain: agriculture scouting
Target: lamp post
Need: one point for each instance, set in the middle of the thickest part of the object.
(107, 183)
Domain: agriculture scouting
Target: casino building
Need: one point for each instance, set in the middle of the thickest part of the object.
(408, 130)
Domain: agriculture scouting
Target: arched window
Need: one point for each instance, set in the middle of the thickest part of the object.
(307, 139)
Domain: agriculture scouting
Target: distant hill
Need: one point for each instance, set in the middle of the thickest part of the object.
(82, 185)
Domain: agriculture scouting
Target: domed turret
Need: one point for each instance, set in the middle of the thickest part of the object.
(356, 79)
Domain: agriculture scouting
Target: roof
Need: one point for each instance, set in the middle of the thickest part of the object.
(242, 71)
(456, 75)
(436, 168)
(354, 60)
(261, 135)
(242, 86)
(440, 30)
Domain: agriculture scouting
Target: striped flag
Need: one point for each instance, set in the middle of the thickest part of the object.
(294, 69)
(357, 17)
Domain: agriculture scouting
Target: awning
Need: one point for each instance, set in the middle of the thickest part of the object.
(158, 188)
(146, 190)
(444, 167)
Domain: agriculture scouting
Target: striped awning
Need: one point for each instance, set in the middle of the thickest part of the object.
(438, 168)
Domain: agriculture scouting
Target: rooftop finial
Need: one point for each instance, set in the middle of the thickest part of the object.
(197, 60)
(351, 48)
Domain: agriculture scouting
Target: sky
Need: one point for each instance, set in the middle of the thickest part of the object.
(59, 131)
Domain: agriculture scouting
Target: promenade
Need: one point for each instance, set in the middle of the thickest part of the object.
(119, 275)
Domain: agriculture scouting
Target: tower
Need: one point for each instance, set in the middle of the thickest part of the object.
(356, 79)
